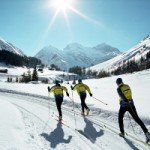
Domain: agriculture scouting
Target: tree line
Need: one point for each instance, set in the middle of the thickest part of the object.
(89, 73)
(16, 60)
(126, 67)
(133, 65)
(25, 77)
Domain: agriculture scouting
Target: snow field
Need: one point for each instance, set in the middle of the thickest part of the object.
(103, 89)
(46, 133)
(11, 127)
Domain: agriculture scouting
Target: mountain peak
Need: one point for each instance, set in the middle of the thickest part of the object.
(10, 47)
(105, 48)
(1, 39)
(135, 53)
(75, 54)
(73, 45)
(50, 47)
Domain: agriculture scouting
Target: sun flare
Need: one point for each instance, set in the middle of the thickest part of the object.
(62, 5)
(65, 7)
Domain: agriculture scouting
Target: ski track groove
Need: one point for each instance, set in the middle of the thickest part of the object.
(40, 99)
(72, 130)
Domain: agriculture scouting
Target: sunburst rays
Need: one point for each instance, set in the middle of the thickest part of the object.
(61, 7)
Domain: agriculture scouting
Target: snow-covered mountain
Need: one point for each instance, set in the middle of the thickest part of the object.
(75, 54)
(135, 53)
(10, 47)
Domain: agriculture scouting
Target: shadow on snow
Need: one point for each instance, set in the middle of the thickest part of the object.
(131, 144)
(56, 137)
(90, 132)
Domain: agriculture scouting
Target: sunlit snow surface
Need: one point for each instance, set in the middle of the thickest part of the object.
(27, 122)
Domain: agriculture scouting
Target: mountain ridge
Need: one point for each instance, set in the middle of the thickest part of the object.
(75, 54)
(4, 45)
(134, 53)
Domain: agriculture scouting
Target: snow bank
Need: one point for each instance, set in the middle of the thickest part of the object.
(103, 89)
(11, 128)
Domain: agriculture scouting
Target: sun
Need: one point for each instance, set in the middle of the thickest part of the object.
(62, 5)
(65, 7)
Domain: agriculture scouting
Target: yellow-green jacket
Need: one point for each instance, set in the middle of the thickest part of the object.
(58, 90)
(124, 92)
(81, 88)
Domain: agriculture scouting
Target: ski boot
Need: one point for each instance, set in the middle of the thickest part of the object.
(82, 113)
(147, 137)
(122, 134)
(60, 118)
(87, 111)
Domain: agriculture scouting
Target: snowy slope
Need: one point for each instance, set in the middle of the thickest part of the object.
(134, 53)
(51, 75)
(42, 131)
(10, 47)
(51, 55)
(103, 89)
(36, 124)
(75, 54)
(12, 129)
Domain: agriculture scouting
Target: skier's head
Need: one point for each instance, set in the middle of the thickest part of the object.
(119, 81)
(56, 82)
(79, 81)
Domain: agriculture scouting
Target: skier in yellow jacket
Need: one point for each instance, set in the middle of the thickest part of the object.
(127, 104)
(57, 89)
(81, 90)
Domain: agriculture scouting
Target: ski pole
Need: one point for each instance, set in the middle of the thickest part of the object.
(131, 124)
(74, 110)
(73, 103)
(100, 101)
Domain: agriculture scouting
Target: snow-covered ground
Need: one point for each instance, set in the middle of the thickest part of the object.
(12, 129)
(28, 105)
(28, 123)
(51, 75)
(103, 89)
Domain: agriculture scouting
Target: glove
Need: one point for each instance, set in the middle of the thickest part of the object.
(67, 94)
(48, 89)
(71, 87)
(91, 94)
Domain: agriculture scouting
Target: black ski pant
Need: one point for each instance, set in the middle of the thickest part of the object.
(59, 100)
(83, 104)
(132, 110)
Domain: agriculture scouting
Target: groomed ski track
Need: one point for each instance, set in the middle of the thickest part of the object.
(82, 132)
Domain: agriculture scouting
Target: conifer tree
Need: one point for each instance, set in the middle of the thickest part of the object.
(35, 75)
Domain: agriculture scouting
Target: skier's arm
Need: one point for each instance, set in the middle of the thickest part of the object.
(52, 89)
(121, 95)
(88, 89)
(66, 90)
(75, 87)
(48, 89)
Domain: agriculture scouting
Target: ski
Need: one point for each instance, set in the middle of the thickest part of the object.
(61, 122)
(145, 143)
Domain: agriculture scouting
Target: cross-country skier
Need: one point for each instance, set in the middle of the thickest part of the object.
(57, 89)
(127, 104)
(81, 90)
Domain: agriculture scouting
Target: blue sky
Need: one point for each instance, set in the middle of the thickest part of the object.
(120, 23)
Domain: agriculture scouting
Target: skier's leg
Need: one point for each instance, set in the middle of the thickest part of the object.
(59, 101)
(120, 119)
(83, 101)
(135, 116)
